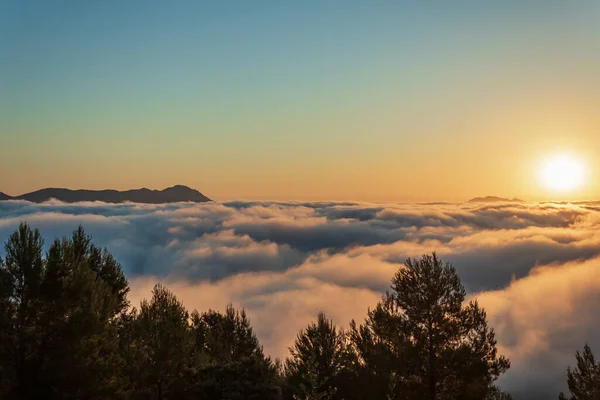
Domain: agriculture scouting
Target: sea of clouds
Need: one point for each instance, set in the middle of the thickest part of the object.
(533, 267)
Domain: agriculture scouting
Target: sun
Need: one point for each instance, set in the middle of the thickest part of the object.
(563, 173)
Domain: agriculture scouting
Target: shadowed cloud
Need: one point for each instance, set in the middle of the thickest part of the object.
(533, 266)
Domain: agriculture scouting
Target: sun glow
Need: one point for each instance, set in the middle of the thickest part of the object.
(563, 173)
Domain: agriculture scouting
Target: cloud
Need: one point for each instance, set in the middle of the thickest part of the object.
(531, 265)
(278, 304)
(541, 320)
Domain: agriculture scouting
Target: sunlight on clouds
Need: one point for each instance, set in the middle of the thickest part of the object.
(532, 266)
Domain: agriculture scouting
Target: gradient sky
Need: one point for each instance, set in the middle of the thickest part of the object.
(379, 101)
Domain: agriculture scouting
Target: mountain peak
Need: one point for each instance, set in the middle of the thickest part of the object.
(495, 199)
(175, 194)
(179, 187)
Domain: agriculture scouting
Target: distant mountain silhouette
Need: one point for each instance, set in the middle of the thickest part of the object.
(173, 194)
(4, 196)
(494, 199)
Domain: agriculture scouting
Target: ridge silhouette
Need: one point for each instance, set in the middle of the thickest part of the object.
(174, 194)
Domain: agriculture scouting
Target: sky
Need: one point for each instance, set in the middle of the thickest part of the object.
(311, 100)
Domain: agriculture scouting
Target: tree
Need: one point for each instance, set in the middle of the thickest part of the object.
(496, 394)
(227, 336)
(57, 317)
(66, 332)
(22, 274)
(437, 348)
(231, 359)
(584, 380)
(103, 264)
(79, 340)
(319, 357)
(7, 312)
(382, 354)
(161, 347)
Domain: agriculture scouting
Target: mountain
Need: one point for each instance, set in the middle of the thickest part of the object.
(4, 196)
(494, 199)
(173, 194)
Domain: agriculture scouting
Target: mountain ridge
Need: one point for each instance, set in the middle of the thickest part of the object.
(173, 194)
(495, 199)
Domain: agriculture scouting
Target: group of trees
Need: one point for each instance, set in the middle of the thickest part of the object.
(67, 331)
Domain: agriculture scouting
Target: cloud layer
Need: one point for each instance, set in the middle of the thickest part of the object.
(532, 266)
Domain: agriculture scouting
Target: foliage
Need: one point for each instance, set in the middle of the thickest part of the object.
(381, 353)
(496, 394)
(67, 331)
(161, 347)
(233, 363)
(432, 345)
(584, 380)
(58, 314)
(318, 359)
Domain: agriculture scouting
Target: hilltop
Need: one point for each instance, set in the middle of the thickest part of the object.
(495, 199)
(175, 194)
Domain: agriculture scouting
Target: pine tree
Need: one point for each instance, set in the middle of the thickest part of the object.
(7, 311)
(383, 364)
(584, 380)
(496, 394)
(58, 314)
(319, 357)
(161, 347)
(227, 336)
(66, 332)
(103, 264)
(22, 275)
(231, 361)
(437, 347)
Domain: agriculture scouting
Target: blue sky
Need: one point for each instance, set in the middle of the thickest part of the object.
(279, 99)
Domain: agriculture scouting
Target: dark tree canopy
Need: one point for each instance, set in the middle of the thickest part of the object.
(318, 360)
(431, 345)
(67, 331)
(233, 363)
(584, 380)
(103, 264)
(227, 336)
(381, 353)
(58, 314)
(496, 393)
(161, 347)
